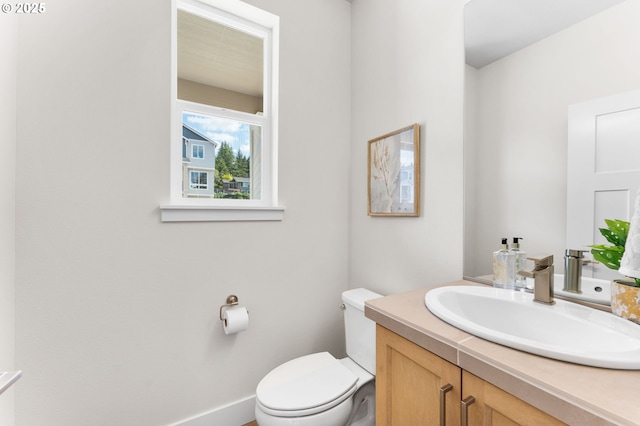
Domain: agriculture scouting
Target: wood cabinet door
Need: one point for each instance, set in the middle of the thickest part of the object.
(409, 380)
(495, 407)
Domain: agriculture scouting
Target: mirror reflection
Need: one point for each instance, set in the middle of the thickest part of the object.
(516, 122)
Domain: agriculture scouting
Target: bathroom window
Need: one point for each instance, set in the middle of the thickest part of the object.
(224, 89)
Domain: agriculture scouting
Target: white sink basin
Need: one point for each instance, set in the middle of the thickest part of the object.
(565, 331)
(593, 290)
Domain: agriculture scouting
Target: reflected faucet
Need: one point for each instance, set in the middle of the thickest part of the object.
(573, 260)
(542, 273)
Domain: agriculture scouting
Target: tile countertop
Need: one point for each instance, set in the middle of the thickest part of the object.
(575, 394)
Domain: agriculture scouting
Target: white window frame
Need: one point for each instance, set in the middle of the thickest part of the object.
(247, 18)
(198, 185)
(200, 149)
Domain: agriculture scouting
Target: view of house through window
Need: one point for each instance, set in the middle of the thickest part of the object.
(223, 100)
(218, 157)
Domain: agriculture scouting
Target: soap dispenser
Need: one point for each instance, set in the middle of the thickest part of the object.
(504, 267)
(520, 263)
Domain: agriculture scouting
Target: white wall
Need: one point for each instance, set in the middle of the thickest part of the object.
(521, 130)
(117, 313)
(471, 166)
(408, 65)
(8, 47)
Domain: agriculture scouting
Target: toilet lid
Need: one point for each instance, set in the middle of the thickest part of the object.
(311, 383)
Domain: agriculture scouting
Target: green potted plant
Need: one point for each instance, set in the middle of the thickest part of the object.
(625, 293)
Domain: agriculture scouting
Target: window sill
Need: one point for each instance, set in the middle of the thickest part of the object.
(177, 213)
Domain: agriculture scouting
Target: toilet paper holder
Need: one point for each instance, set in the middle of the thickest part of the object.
(232, 300)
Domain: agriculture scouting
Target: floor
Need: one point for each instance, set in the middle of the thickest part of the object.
(253, 423)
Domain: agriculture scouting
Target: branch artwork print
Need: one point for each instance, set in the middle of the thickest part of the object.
(385, 169)
(393, 173)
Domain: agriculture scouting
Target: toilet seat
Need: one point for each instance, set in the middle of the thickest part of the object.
(304, 386)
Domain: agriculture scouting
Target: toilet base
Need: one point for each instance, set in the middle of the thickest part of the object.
(337, 416)
(364, 414)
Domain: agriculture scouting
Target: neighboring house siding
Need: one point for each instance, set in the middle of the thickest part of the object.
(198, 165)
(240, 184)
(209, 159)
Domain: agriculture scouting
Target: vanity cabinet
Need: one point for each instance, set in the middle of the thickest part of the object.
(416, 387)
(409, 380)
(493, 406)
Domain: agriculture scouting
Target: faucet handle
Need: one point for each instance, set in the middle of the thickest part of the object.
(575, 253)
(542, 260)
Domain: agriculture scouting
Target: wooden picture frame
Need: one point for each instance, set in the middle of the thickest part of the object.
(393, 173)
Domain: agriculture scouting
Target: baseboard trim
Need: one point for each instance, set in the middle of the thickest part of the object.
(234, 414)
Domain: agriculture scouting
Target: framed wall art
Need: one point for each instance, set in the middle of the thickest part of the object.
(394, 173)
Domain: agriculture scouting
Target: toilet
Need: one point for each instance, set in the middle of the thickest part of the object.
(319, 389)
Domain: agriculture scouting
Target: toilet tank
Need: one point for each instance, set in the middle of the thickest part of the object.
(360, 332)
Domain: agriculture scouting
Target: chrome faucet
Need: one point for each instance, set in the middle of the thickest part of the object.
(543, 275)
(573, 260)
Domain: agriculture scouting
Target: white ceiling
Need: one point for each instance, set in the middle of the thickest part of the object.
(218, 56)
(496, 28)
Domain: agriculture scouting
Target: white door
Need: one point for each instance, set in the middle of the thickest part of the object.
(603, 169)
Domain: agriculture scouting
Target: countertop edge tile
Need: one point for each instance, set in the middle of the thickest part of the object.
(538, 396)
(420, 337)
(409, 322)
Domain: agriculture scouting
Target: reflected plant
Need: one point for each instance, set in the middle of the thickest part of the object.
(610, 256)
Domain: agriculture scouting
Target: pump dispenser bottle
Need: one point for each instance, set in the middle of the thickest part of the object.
(504, 267)
(520, 263)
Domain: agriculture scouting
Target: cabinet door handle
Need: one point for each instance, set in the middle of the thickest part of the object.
(443, 403)
(464, 409)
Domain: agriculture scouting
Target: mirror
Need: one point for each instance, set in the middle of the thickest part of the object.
(516, 116)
